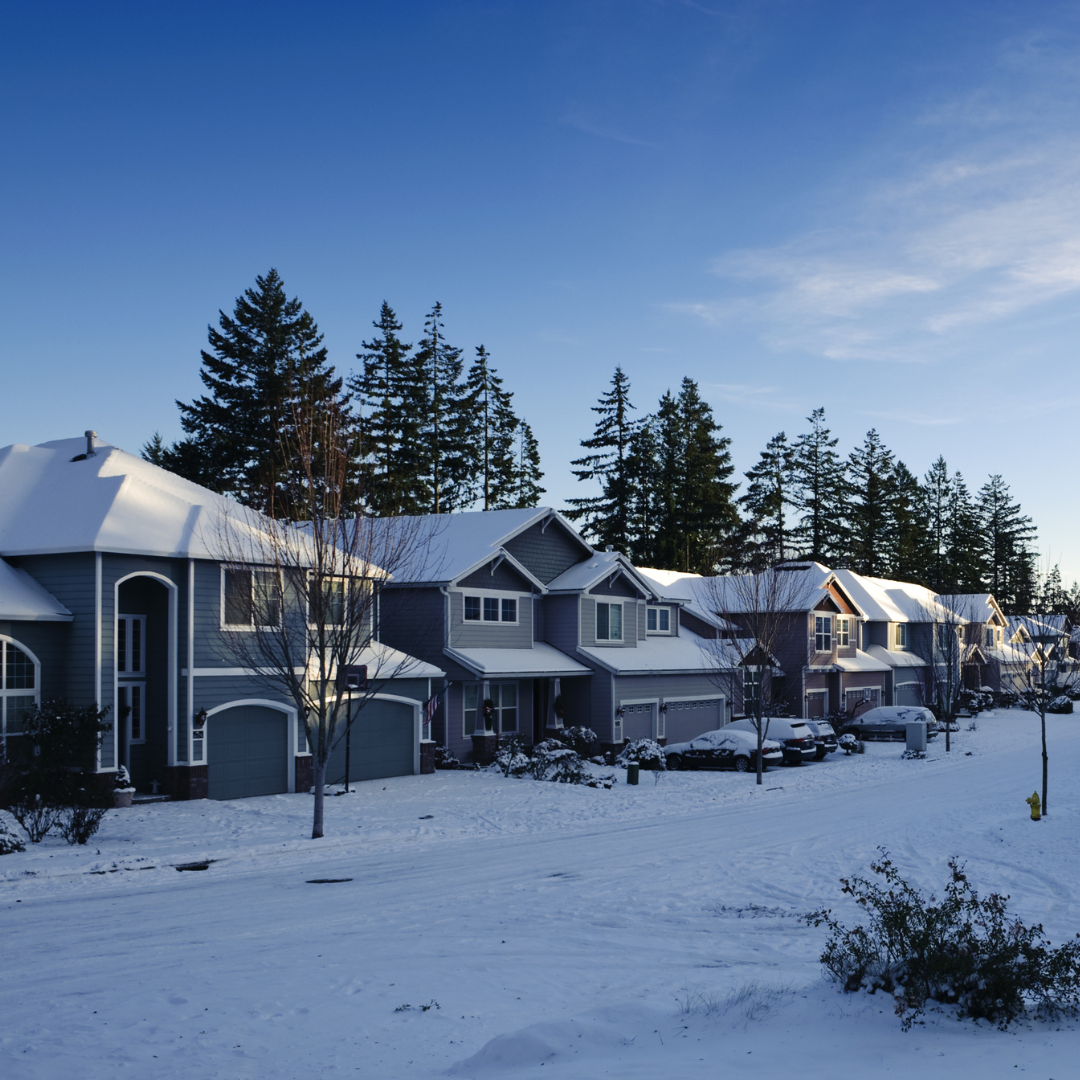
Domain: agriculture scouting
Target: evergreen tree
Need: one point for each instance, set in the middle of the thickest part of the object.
(491, 438)
(1010, 562)
(911, 553)
(643, 510)
(817, 485)
(766, 500)
(438, 396)
(607, 515)
(392, 410)
(868, 518)
(697, 517)
(527, 474)
(266, 361)
(964, 555)
(937, 493)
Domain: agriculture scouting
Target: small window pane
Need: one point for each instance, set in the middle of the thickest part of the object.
(136, 645)
(665, 619)
(237, 597)
(509, 611)
(615, 621)
(472, 698)
(121, 645)
(650, 619)
(267, 600)
(602, 633)
(491, 609)
(17, 709)
(20, 669)
(472, 608)
(136, 712)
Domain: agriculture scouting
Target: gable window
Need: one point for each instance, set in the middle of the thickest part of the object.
(504, 698)
(989, 636)
(823, 633)
(609, 622)
(249, 595)
(843, 631)
(900, 638)
(751, 687)
(658, 620)
(19, 690)
(131, 644)
(491, 609)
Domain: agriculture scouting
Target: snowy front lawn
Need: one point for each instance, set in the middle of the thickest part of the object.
(508, 927)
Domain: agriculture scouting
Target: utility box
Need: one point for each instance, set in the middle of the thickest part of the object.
(633, 770)
(916, 736)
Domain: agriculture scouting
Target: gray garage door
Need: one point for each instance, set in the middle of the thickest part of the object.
(685, 720)
(383, 736)
(908, 694)
(248, 752)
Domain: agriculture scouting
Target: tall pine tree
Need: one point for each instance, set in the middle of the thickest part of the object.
(607, 515)
(870, 486)
(266, 366)
(1010, 562)
(817, 490)
(766, 500)
(527, 474)
(491, 437)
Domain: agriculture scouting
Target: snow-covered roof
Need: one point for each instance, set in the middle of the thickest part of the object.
(22, 599)
(55, 499)
(1039, 626)
(662, 655)
(603, 565)
(860, 662)
(454, 545)
(883, 600)
(975, 607)
(541, 661)
(896, 659)
(384, 662)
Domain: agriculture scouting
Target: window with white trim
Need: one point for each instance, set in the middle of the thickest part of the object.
(609, 622)
(250, 593)
(504, 699)
(843, 632)
(751, 687)
(131, 644)
(19, 689)
(823, 633)
(491, 608)
(989, 636)
(132, 710)
(900, 639)
(658, 620)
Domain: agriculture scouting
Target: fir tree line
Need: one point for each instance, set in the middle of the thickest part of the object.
(425, 434)
(667, 499)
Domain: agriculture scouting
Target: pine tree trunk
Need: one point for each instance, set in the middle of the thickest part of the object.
(320, 791)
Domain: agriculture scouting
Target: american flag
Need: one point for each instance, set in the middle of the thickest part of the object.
(432, 707)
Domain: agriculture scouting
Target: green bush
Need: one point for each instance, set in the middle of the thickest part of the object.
(965, 950)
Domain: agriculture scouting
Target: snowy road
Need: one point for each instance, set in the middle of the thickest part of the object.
(648, 932)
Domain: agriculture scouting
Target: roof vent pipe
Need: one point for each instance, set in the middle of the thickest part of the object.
(90, 437)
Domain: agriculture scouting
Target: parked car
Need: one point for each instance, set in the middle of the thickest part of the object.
(889, 722)
(724, 749)
(793, 735)
(824, 737)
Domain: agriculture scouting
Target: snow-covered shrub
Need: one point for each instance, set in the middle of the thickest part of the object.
(965, 950)
(81, 818)
(1060, 704)
(975, 701)
(444, 759)
(122, 780)
(581, 740)
(646, 752)
(913, 755)
(848, 743)
(10, 838)
(36, 815)
(1006, 699)
(1073, 692)
(511, 758)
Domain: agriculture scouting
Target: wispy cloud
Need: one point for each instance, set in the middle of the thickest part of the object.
(951, 244)
(589, 126)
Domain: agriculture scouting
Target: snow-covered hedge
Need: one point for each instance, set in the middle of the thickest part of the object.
(11, 835)
(646, 752)
(548, 760)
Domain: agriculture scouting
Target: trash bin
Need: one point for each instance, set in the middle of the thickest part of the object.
(633, 770)
(916, 736)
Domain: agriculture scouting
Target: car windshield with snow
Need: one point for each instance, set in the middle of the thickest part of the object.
(793, 735)
(889, 722)
(723, 749)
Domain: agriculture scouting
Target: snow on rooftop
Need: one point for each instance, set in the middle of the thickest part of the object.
(22, 599)
(54, 498)
(660, 654)
(541, 661)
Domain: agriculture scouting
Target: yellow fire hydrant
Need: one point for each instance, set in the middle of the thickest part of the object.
(1033, 802)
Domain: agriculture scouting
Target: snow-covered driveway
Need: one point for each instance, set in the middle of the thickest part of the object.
(648, 932)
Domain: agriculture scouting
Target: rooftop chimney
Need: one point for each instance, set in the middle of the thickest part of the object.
(90, 437)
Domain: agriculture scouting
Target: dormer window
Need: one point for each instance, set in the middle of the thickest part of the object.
(989, 636)
(900, 638)
(658, 620)
(491, 608)
(609, 622)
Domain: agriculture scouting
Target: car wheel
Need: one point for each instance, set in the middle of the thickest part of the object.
(742, 764)
(674, 762)
(821, 752)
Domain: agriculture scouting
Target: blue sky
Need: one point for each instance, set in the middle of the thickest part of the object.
(873, 207)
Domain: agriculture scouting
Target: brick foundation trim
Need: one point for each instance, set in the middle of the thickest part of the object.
(305, 773)
(427, 757)
(184, 782)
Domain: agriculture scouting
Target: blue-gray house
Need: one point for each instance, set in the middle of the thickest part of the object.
(113, 590)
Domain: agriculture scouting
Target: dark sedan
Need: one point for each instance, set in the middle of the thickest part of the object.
(723, 749)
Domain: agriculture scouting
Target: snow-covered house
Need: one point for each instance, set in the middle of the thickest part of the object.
(524, 614)
(113, 589)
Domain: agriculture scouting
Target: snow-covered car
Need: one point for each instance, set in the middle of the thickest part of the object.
(723, 749)
(793, 735)
(824, 737)
(889, 722)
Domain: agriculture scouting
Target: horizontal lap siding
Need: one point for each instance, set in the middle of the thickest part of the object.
(411, 619)
(546, 553)
(49, 643)
(559, 622)
(481, 635)
(504, 576)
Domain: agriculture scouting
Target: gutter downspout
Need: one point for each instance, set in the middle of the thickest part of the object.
(190, 660)
(97, 652)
